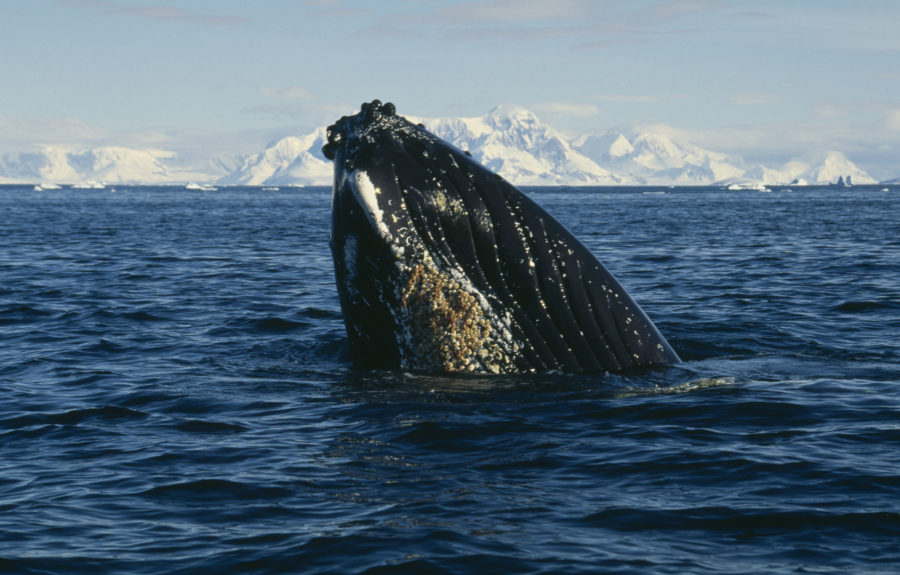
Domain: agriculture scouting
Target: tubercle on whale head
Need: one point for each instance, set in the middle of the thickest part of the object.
(370, 114)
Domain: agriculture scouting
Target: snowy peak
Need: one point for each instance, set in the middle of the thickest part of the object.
(655, 151)
(620, 147)
(290, 160)
(836, 168)
(507, 126)
(654, 158)
(605, 148)
(515, 143)
(513, 119)
(109, 164)
(831, 169)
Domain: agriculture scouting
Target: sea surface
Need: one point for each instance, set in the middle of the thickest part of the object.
(176, 397)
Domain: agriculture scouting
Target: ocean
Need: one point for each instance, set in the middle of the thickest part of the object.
(177, 396)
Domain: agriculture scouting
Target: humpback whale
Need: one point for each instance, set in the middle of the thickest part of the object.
(443, 266)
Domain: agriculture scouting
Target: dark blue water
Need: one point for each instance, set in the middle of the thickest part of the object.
(176, 397)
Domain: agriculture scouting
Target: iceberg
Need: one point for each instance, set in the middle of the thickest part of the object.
(89, 186)
(751, 186)
(200, 187)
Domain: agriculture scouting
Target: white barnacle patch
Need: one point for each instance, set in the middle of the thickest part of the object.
(440, 199)
(449, 325)
(442, 321)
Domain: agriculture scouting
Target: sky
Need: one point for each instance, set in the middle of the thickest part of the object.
(765, 80)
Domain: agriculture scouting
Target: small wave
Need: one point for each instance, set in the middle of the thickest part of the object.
(105, 346)
(759, 521)
(216, 490)
(118, 314)
(143, 316)
(272, 324)
(72, 417)
(204, 426)
(864, 306)
(656, 258)
(22, 314)
(317, 313)
(279, 324)
(88, 378)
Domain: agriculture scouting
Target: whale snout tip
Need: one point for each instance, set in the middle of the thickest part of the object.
(375, 110)
(369, 113)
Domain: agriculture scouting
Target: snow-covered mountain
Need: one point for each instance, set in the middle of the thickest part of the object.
(652, 158)
(831, 168)
(509, 140)
(291, 160)
(514, 143)
(108, 164)
(834, 166)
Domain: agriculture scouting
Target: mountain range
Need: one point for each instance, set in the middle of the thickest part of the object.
(509, 140)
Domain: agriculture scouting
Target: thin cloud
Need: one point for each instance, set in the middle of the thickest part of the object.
(830, 112)
(291, 93)
(581, 24)
(301, 112)
(638, 98)
(508, 11)
(284, 111)
(892, 120)
(21, 132)
(498, 12)
(568, 109)
(678, 8)
(489, 21)
(594, 12)
(328, 9)
(753, 99)
(157, 12)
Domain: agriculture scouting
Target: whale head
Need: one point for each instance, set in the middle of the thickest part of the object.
(443, 266)
(405, 282)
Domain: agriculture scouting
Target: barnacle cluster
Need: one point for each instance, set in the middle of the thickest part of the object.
(449, 328)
